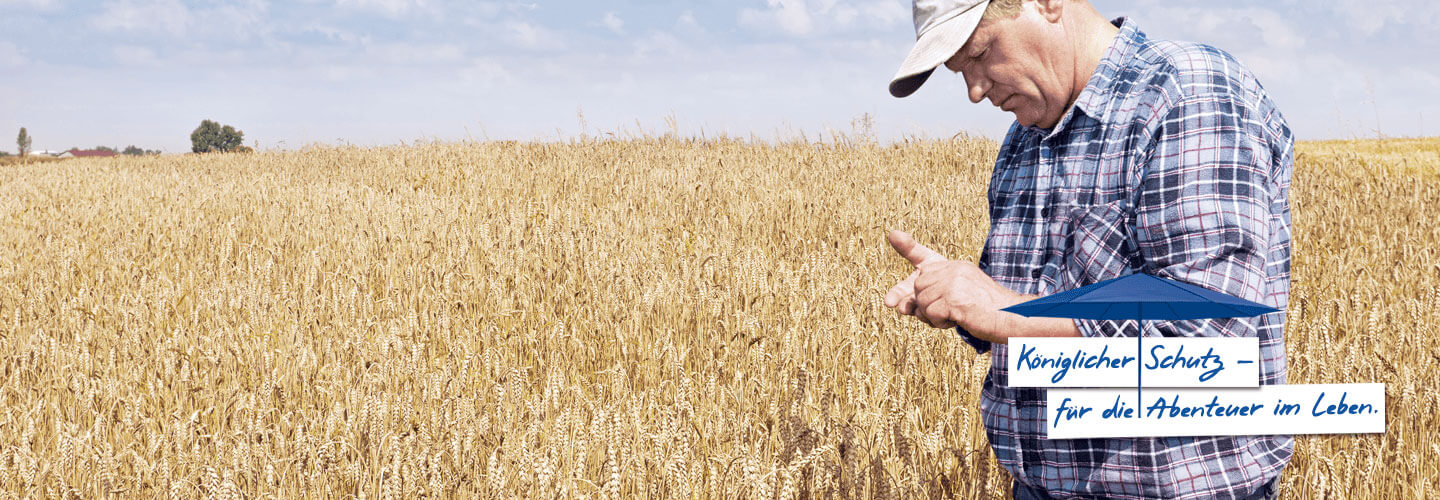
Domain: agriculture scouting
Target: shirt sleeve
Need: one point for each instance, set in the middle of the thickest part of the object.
(1200, 214)
(981, 346)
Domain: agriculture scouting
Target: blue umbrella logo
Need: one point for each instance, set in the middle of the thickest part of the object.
(1140, 297)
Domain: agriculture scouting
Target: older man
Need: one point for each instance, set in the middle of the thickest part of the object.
(1128, 154)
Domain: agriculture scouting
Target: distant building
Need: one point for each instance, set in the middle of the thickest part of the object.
(87, 153)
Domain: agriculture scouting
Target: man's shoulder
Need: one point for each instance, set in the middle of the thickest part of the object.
(1186, 82)
(1173, 71)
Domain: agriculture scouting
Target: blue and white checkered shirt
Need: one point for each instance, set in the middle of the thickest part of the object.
(1173, 161)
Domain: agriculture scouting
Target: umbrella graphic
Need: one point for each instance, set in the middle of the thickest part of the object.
(1140, 297)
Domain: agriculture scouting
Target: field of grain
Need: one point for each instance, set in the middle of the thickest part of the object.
(596, 319)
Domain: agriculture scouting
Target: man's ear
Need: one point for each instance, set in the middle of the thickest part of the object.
(1050, 10)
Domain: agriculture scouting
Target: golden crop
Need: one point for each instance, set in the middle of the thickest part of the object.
(649, 317)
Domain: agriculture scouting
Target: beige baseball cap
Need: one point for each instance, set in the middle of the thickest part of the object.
(941, 28)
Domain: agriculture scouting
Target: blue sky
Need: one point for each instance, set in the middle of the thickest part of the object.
(371, 72)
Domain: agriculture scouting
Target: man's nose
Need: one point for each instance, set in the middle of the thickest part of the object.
(978, 87)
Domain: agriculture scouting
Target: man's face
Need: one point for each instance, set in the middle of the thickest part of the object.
(1020, 64)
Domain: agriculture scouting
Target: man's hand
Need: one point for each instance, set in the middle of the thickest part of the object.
(902, 296)
(947, 293)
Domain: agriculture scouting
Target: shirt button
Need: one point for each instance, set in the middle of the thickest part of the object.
(1045, 212)
(1035, 273)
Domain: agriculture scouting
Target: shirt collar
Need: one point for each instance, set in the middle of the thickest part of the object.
(1093, 98)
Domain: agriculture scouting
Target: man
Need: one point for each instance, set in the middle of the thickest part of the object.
(1127, 155)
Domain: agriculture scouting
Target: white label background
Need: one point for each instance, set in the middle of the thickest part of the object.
(1230, 350)
(1263, 422)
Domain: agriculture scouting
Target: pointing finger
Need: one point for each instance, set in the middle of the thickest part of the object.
(906, 246)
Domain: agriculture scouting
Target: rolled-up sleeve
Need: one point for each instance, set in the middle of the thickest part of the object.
(1201, 211)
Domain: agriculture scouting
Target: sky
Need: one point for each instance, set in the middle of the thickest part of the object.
(379, 72)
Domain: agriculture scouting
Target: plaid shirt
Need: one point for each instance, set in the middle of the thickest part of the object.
(1173, 162)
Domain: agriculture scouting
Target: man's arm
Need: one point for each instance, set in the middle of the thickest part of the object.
(1202, 211)
(996, 326)
(1006, 325)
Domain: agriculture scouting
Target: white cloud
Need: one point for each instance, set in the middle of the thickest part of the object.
(808, 17)
(243, 19)
(887, 13)
(1277, 31)
(336, 34)
(11, 56)
(791, 16)
(686, 23)
(402, 53)
(657, 43)
(35, 4)
(392, 8)
(1271, 44)
(520, 7)
(345, 73)
(532, 36)
(1269, 31)
(165, 16)
(1370, 16)
(484, 72)
(845, 14)
(1332, 68)
(231, 21)
(215, 59)
(131, 55)
(613, 23)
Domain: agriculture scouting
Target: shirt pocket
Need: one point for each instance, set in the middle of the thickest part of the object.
(1099, 245)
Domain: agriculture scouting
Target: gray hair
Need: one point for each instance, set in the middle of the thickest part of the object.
(1002, 9)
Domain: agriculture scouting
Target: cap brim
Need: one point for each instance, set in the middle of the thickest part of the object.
(933, 48)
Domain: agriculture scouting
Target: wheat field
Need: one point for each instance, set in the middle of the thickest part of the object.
(650, 317)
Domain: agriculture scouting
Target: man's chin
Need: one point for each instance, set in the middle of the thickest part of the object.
(1028, 120)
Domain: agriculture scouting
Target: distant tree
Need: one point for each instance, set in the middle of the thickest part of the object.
(105, 148)
(24, 141)
(131, 150)
(210, 136)
(4, 154)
